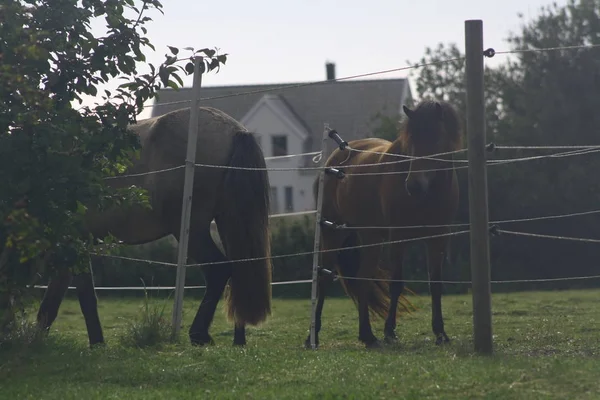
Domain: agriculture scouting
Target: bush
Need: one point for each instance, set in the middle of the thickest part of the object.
(150, 328)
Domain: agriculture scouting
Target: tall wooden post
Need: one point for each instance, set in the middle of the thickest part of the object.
(317, 242)
(188, 188)
(478, 201)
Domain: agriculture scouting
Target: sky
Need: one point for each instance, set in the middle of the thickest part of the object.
(269, 41)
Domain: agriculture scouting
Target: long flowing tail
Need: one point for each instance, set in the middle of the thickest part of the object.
(348, 260)
(378, 287)
(244, 230)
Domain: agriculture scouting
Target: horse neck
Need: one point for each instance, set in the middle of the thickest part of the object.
(396, 147)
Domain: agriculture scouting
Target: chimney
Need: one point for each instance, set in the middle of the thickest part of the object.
(330, 68)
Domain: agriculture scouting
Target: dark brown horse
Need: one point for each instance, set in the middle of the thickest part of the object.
(417, 192)
(238, 201)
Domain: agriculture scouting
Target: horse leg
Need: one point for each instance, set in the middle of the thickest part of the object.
(88, 302)
(436, 251)
(396, 288)
(369, 260)
(329, 260)
(323, 284)
(216, 276)
(55, 293)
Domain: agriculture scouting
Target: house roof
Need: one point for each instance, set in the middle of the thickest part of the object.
(347, 106)
(283, 110)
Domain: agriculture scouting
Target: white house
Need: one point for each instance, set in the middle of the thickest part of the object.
(291, 121)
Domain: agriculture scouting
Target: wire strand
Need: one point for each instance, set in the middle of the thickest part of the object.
(546, 147)
(305, 253)
(313, 83)
(412, 158)
(468, 282)
(463, 224)
(583, 151)
(169, 287)
(299, 85)
(543, 49)
(538, 235)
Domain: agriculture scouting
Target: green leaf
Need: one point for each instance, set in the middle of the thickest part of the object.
(174, 50)
(81, 209)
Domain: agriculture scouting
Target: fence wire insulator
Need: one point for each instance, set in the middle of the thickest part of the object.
(324, 271)
(491, 147)
(338, 173)
(489, 52)
(333, 225)
(326, 223)
(494, 230)
(338, 139)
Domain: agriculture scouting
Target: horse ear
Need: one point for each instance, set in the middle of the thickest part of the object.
(407, 111)
(439, 110)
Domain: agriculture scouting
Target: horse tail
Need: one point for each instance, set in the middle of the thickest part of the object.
(378, 287)
(246, 235)
(348, 264)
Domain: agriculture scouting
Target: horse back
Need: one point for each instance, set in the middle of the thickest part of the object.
(355, 198)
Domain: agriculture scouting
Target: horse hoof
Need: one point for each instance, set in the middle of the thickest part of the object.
(98, 345)
(441, 339)
(201, 340)
(240, 343)
(374, 345)
(389, 339)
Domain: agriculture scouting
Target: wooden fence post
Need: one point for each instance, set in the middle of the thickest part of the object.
(317, 242)
(188, 188)
(478, 200)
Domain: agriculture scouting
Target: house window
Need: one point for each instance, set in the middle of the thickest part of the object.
(279, 145)
(274, 202)
(289, 199)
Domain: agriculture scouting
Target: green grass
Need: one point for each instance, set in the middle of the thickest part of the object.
(546, 347)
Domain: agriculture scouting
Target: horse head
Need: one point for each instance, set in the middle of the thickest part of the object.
(432, 127)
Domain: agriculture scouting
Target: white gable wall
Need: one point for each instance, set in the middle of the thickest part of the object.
(266, 120)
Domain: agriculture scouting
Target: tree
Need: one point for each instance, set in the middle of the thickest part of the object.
(543, 98)
(54, 156)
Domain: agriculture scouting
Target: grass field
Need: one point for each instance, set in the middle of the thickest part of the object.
(547, 346)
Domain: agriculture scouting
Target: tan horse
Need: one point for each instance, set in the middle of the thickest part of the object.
(238, 201)
(407, 194)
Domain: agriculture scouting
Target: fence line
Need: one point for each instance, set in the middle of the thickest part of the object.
(354, 278)
(491, 52)
(293, 214)
(343, 226)
(463, 224)
(170, 287)
(312, 83)
(538, 235)
(583, 150)
(301, 281)
(298, 85)
(546, 147)
(409, 157)
(555, 155)
(314, 153)
(304, 253)
(489, 162)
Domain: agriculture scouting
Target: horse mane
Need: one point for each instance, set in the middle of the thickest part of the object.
(426, 112)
